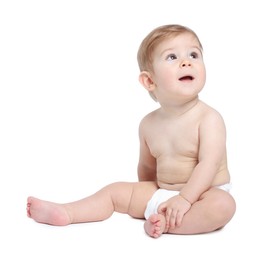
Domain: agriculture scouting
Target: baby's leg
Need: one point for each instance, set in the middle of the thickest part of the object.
(99, 206)
(214, 210)
(155, 225)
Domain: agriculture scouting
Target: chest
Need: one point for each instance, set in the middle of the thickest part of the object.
(174, 138)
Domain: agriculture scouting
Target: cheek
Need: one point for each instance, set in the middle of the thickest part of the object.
(203, 75)
(162, 75)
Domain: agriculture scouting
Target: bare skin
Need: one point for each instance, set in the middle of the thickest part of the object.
(122, 197)
(211, 212)
(47, 212)
(182, 148)
(155, 225)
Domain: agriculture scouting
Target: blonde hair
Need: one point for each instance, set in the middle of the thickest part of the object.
(154, 38)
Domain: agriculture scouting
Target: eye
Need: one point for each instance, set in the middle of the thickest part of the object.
(171, 57)
(194, 55)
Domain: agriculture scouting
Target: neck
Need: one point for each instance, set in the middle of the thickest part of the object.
(179, 109)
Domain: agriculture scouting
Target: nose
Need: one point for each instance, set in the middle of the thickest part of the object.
(185, 63)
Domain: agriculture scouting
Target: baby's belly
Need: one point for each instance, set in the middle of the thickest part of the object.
(173, 175)
(174, 172)
(167, 186)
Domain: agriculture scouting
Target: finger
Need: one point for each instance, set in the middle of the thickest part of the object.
(168, 216)
(162, 208)
(173, 219)
(179, 218)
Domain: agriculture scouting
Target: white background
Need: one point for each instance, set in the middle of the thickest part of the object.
(70, 105)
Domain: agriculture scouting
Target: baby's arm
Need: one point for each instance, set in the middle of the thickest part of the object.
(147, 163)
(212, 149)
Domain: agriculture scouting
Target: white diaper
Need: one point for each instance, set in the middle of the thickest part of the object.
(162, 195)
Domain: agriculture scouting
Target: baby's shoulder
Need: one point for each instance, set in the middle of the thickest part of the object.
(147, 121)
(149, 117)
(207, 111)
(210, 116)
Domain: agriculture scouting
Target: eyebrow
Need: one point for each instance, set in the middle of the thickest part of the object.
(199, 49)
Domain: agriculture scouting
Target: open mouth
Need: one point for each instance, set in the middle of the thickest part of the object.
(186, 78)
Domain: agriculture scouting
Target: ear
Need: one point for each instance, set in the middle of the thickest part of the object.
(146, 80)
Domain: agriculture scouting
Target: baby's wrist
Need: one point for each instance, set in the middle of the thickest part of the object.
(184, 198)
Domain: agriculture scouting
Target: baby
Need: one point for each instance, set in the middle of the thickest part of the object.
(184, 181)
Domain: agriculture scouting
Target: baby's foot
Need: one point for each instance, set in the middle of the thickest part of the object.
(155, 225)
(47, 212)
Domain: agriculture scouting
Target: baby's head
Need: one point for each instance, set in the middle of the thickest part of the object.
(156, 37)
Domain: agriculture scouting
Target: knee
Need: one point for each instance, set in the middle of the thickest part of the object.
(225, 206)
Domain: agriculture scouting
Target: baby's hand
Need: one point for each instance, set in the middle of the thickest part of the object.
(174, 210)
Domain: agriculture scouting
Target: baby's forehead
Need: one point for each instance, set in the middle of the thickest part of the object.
(186, 39)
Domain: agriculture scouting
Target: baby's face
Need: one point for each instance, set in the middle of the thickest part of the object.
(178, 68)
